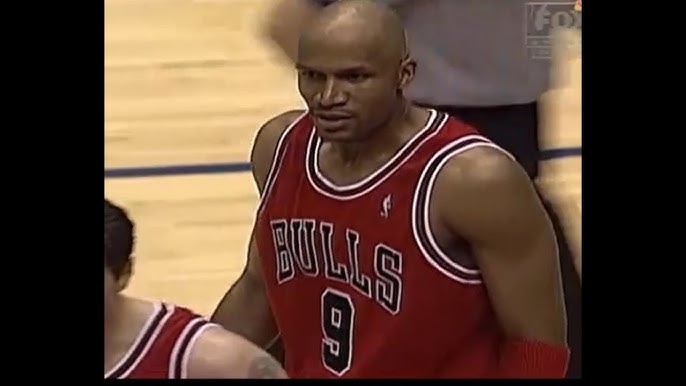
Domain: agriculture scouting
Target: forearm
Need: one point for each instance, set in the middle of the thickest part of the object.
(532, 316)
(245, 310)
(285, 38)
(285, 22)
(532, 319)
(565, 201)
(528, 303)
(531, 359)
(570, 217)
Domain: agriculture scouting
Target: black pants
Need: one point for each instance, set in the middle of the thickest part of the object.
(515, 128)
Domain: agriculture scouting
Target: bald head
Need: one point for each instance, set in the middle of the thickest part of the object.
(359, 22)
(353, 61)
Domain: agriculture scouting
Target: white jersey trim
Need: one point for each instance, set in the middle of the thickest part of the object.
(184, 355)
(158, 307)
(277, 161)
(422, 232)
(381, 170)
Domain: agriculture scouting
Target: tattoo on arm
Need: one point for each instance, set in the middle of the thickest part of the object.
(264, 367)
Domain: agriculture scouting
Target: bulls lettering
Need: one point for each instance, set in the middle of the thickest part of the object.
(388, 266)
(358, 280)
(302, 241)
(311, 246)
(284, 258)
(333, 269)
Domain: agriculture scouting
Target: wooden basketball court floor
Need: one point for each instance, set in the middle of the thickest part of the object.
(188, 82)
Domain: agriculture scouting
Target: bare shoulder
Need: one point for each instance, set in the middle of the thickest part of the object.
(266, 141)
(481, 186)
(218, 353)
(482, 169)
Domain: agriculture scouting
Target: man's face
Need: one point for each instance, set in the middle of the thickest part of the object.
(350, 84)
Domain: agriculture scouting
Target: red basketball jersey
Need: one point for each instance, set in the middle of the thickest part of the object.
(162, 347)
(356, 280)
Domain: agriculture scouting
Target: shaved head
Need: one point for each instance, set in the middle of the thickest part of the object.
(352, 67)
(363, 22)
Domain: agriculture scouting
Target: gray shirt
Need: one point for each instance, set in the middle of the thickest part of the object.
(480, 52)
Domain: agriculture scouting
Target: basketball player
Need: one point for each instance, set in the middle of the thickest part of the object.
(392, 240)
(159, 340)
(476, 65)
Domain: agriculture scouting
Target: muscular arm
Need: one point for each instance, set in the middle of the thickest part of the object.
(559, 110)
(285, 21)
(488, 200)
(568, 208)
(245, 308)
(220, 354)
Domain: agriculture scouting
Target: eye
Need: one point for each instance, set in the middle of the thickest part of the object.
(355, 77)
(309, 74)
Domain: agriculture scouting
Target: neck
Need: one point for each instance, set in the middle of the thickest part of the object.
(114, 319)
(389, 132)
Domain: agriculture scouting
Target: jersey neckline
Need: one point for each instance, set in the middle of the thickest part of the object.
(328, 188)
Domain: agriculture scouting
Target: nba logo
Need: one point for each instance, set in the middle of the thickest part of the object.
(542, 18)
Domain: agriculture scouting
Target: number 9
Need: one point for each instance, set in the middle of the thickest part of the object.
(338, 316)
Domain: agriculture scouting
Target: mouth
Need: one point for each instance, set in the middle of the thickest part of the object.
(331, 120)
(331, 116)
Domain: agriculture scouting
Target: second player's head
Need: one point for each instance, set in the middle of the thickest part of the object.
(352, 65)
(119, 239)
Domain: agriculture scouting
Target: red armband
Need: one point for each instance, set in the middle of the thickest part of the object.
(532, 359)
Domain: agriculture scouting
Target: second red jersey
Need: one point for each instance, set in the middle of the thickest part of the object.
(357, 283)
(162, 347)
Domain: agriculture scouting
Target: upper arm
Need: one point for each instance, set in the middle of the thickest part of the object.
(262, 155)
(220, 354)
(488, 200)
(265, 145)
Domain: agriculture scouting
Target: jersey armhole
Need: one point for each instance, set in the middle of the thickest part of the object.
(421, 226)
(180, 355)
(277, 160)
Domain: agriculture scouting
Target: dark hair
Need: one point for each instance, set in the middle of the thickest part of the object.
(118, 237)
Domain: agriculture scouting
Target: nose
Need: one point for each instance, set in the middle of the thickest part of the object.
(331, 95)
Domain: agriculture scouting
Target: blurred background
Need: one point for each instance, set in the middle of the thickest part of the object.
(187, 83)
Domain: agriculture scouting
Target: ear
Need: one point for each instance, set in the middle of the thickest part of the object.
(407, 70)
(125, 275)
